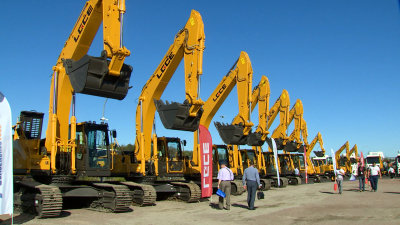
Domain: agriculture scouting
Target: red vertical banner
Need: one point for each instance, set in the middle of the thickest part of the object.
(305, 162)
(206, 161)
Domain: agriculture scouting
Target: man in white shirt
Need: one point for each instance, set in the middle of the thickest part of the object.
(391, 172)
(339, 179)
(373, 173)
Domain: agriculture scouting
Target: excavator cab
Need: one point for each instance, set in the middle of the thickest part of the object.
(90, 75)
(31, 125)
(231, 134)
(176, 116)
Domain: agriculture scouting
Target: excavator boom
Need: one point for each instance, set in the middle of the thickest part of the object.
(188, 44)
(260, 96)
(238, 131)
(281, 106)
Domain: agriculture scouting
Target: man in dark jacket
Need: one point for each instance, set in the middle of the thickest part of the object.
(251, 180)
(361, 174)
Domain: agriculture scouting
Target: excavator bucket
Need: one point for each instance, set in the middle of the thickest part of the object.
(175, 116)
(290, 147)
(89, 75)
(279, 143)
(255, 139)
(301, 149)
(319, 153)
(231, 134)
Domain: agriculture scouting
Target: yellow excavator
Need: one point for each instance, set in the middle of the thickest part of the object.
(266, 159)
(342, 160)
(47, 171)
(352, 160)
(240, 74)
(260, 96)
(157, 166)
(323, 164)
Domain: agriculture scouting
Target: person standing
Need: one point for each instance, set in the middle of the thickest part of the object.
(373, 172)
(361, 177)
(339, 179)
(251, 180)
(391, 172)
(296, 172)
(225, 175)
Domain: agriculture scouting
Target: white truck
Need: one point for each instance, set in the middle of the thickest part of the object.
(375, 157)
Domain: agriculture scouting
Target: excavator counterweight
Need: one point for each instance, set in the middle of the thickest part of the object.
(176, 116)
(90, 75)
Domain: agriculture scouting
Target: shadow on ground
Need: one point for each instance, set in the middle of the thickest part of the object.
(26, 217)
(327, 192)
(392, 192)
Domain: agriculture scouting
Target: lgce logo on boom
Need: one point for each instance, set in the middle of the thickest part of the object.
(83, 22)
(167, 61)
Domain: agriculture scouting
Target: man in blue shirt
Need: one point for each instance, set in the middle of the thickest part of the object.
(251, 180)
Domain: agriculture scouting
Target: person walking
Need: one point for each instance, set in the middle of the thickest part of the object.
(373, 173)
(251, 180)
(361, 174)
(339, 179)
(391, 172)
(225, 176)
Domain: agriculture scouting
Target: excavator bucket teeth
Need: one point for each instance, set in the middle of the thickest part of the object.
(89, 75)
(176, 116)
(255, 139)
(319, 153)
(231, 134)
(290, 147)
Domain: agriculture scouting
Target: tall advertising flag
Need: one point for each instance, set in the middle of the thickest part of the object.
(333, 162)
(276, 160)
(305, 162)
(362, 158)
(206, 161)
(6, 168)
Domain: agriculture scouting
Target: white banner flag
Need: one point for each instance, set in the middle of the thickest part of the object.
(333, 162)
(276, 160)
(6, 168)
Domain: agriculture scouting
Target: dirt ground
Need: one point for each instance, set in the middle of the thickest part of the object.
(303, 204)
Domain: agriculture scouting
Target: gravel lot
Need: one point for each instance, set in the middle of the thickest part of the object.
(304, 204)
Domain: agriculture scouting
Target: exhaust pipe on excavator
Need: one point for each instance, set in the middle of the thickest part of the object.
(89, 75)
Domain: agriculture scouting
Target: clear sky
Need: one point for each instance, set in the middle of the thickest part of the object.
(341, 58)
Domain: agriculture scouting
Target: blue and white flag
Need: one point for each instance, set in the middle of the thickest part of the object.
(333, 162)
(6, 168)
(276, 160)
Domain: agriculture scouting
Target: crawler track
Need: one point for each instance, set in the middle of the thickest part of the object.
(116, 198)
(190, 192)
(50, 201)
(266, 184)
(143, 194)
(239, 189)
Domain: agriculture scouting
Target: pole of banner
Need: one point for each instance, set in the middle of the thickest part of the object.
(305, 163)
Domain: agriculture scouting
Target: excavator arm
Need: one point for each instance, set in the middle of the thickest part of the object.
(296, 113)
(260, 96)
(214, 102)
(238, 131)
(339, 151)
(76, 72)
(188, 44)
(281, 106)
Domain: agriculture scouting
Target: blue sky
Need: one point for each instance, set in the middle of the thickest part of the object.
(341, 58)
